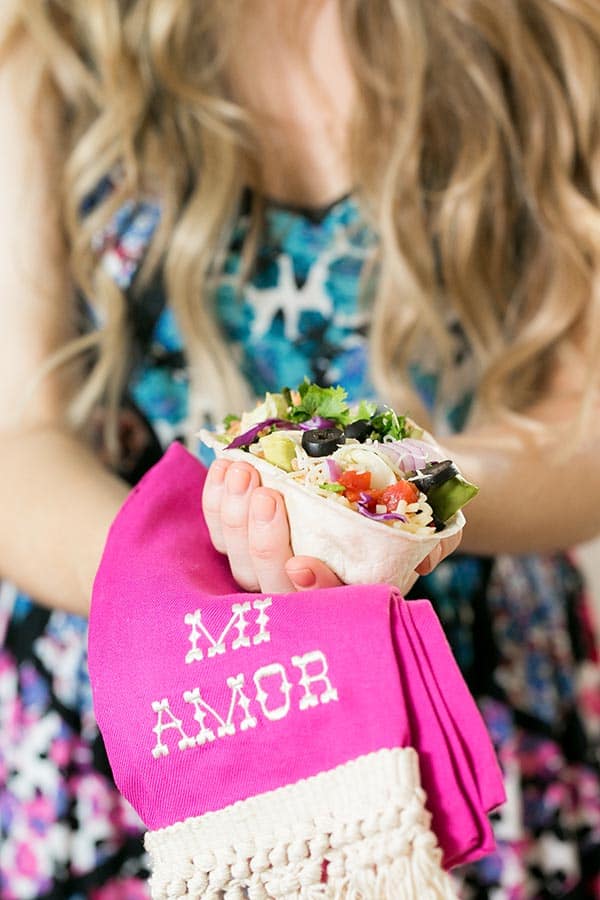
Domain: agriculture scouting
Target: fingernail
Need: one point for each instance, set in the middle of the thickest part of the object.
(304, 578)
(238, 481)
(217, 473)
(263, 507)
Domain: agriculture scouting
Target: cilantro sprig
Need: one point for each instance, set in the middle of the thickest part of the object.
(330, 403)
(387, 422)
(366, 409)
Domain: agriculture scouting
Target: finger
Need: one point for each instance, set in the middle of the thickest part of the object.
(269, 541)
(307, 573)
(450, 544)
(241, 479)
(212, 496)
(431, 561)
(410, 581)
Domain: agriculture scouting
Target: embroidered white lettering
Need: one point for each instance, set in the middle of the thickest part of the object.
(303, 662)
(161, 707)
(273, 691)
(238, 621)
(202, 708)
(279, 712)
(261, 620)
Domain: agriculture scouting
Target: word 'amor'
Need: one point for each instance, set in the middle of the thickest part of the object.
(268, 690)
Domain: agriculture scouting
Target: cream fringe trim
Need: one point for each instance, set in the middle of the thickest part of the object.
(364, 824)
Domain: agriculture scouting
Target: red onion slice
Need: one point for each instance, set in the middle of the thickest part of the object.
(333, 469)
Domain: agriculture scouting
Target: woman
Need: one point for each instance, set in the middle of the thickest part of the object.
(243, 192)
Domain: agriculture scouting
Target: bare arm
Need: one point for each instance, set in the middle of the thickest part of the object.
(57, 499)
(533, 499)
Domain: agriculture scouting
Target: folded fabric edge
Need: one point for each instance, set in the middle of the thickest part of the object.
(359, 830)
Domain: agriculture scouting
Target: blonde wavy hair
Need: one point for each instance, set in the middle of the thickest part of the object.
(483, 184)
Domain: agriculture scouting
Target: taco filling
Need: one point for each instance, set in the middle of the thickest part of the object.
(367, 458)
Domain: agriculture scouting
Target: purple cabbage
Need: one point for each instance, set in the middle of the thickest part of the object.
(248, 437)
(317, 422)
(363, 509)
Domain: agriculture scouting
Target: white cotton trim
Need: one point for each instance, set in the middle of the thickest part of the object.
(364, 823)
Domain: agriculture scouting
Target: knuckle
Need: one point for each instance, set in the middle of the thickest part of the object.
(233, 522)
(264, 552)
(234, 515)
(246, 580)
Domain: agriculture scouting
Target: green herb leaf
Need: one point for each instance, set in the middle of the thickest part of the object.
(304, 386)
(366, 409)
(227, 421)
(333, 486)
(388, 423)
(318, 401)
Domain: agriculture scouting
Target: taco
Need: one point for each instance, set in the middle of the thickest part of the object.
(366, 490)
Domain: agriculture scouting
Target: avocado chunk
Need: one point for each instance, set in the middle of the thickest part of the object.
(447, 498)
(279, 450)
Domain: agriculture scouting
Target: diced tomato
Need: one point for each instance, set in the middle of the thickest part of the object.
(354, 483)
(401, 490)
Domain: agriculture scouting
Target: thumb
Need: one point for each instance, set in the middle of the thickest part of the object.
(307, 573)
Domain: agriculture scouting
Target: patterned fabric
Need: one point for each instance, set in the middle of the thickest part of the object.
(519, 626)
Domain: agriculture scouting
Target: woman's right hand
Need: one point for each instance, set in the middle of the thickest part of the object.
(248, 522)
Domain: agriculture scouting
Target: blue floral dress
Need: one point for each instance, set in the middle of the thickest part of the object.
(518, 625)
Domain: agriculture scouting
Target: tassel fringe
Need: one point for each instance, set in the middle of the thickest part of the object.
(358, 832)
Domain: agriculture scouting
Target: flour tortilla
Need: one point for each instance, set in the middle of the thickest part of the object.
(359, 550)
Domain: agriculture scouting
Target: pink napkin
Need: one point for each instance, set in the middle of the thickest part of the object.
(277, 743)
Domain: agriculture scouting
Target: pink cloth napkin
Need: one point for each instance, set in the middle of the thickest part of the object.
(208, 698)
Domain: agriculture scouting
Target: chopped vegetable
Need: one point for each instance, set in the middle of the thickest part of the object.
(448, 498)
(410, 454)
(402, 490)
(322, 441)
(366, 409)
(354, 483)
(248, 437)
(363, 509)
(434, 474)
(279, 450)
(317, 422)
(274, 406)
(388, 423)
(333, 469)
(367, 454)
(359, 430)
(330, 403)
(332, 486)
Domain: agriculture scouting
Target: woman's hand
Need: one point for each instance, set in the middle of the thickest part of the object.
(248, 522)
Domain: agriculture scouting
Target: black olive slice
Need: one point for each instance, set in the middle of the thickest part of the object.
(322, 441)
(434, 474)
(359, 430)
